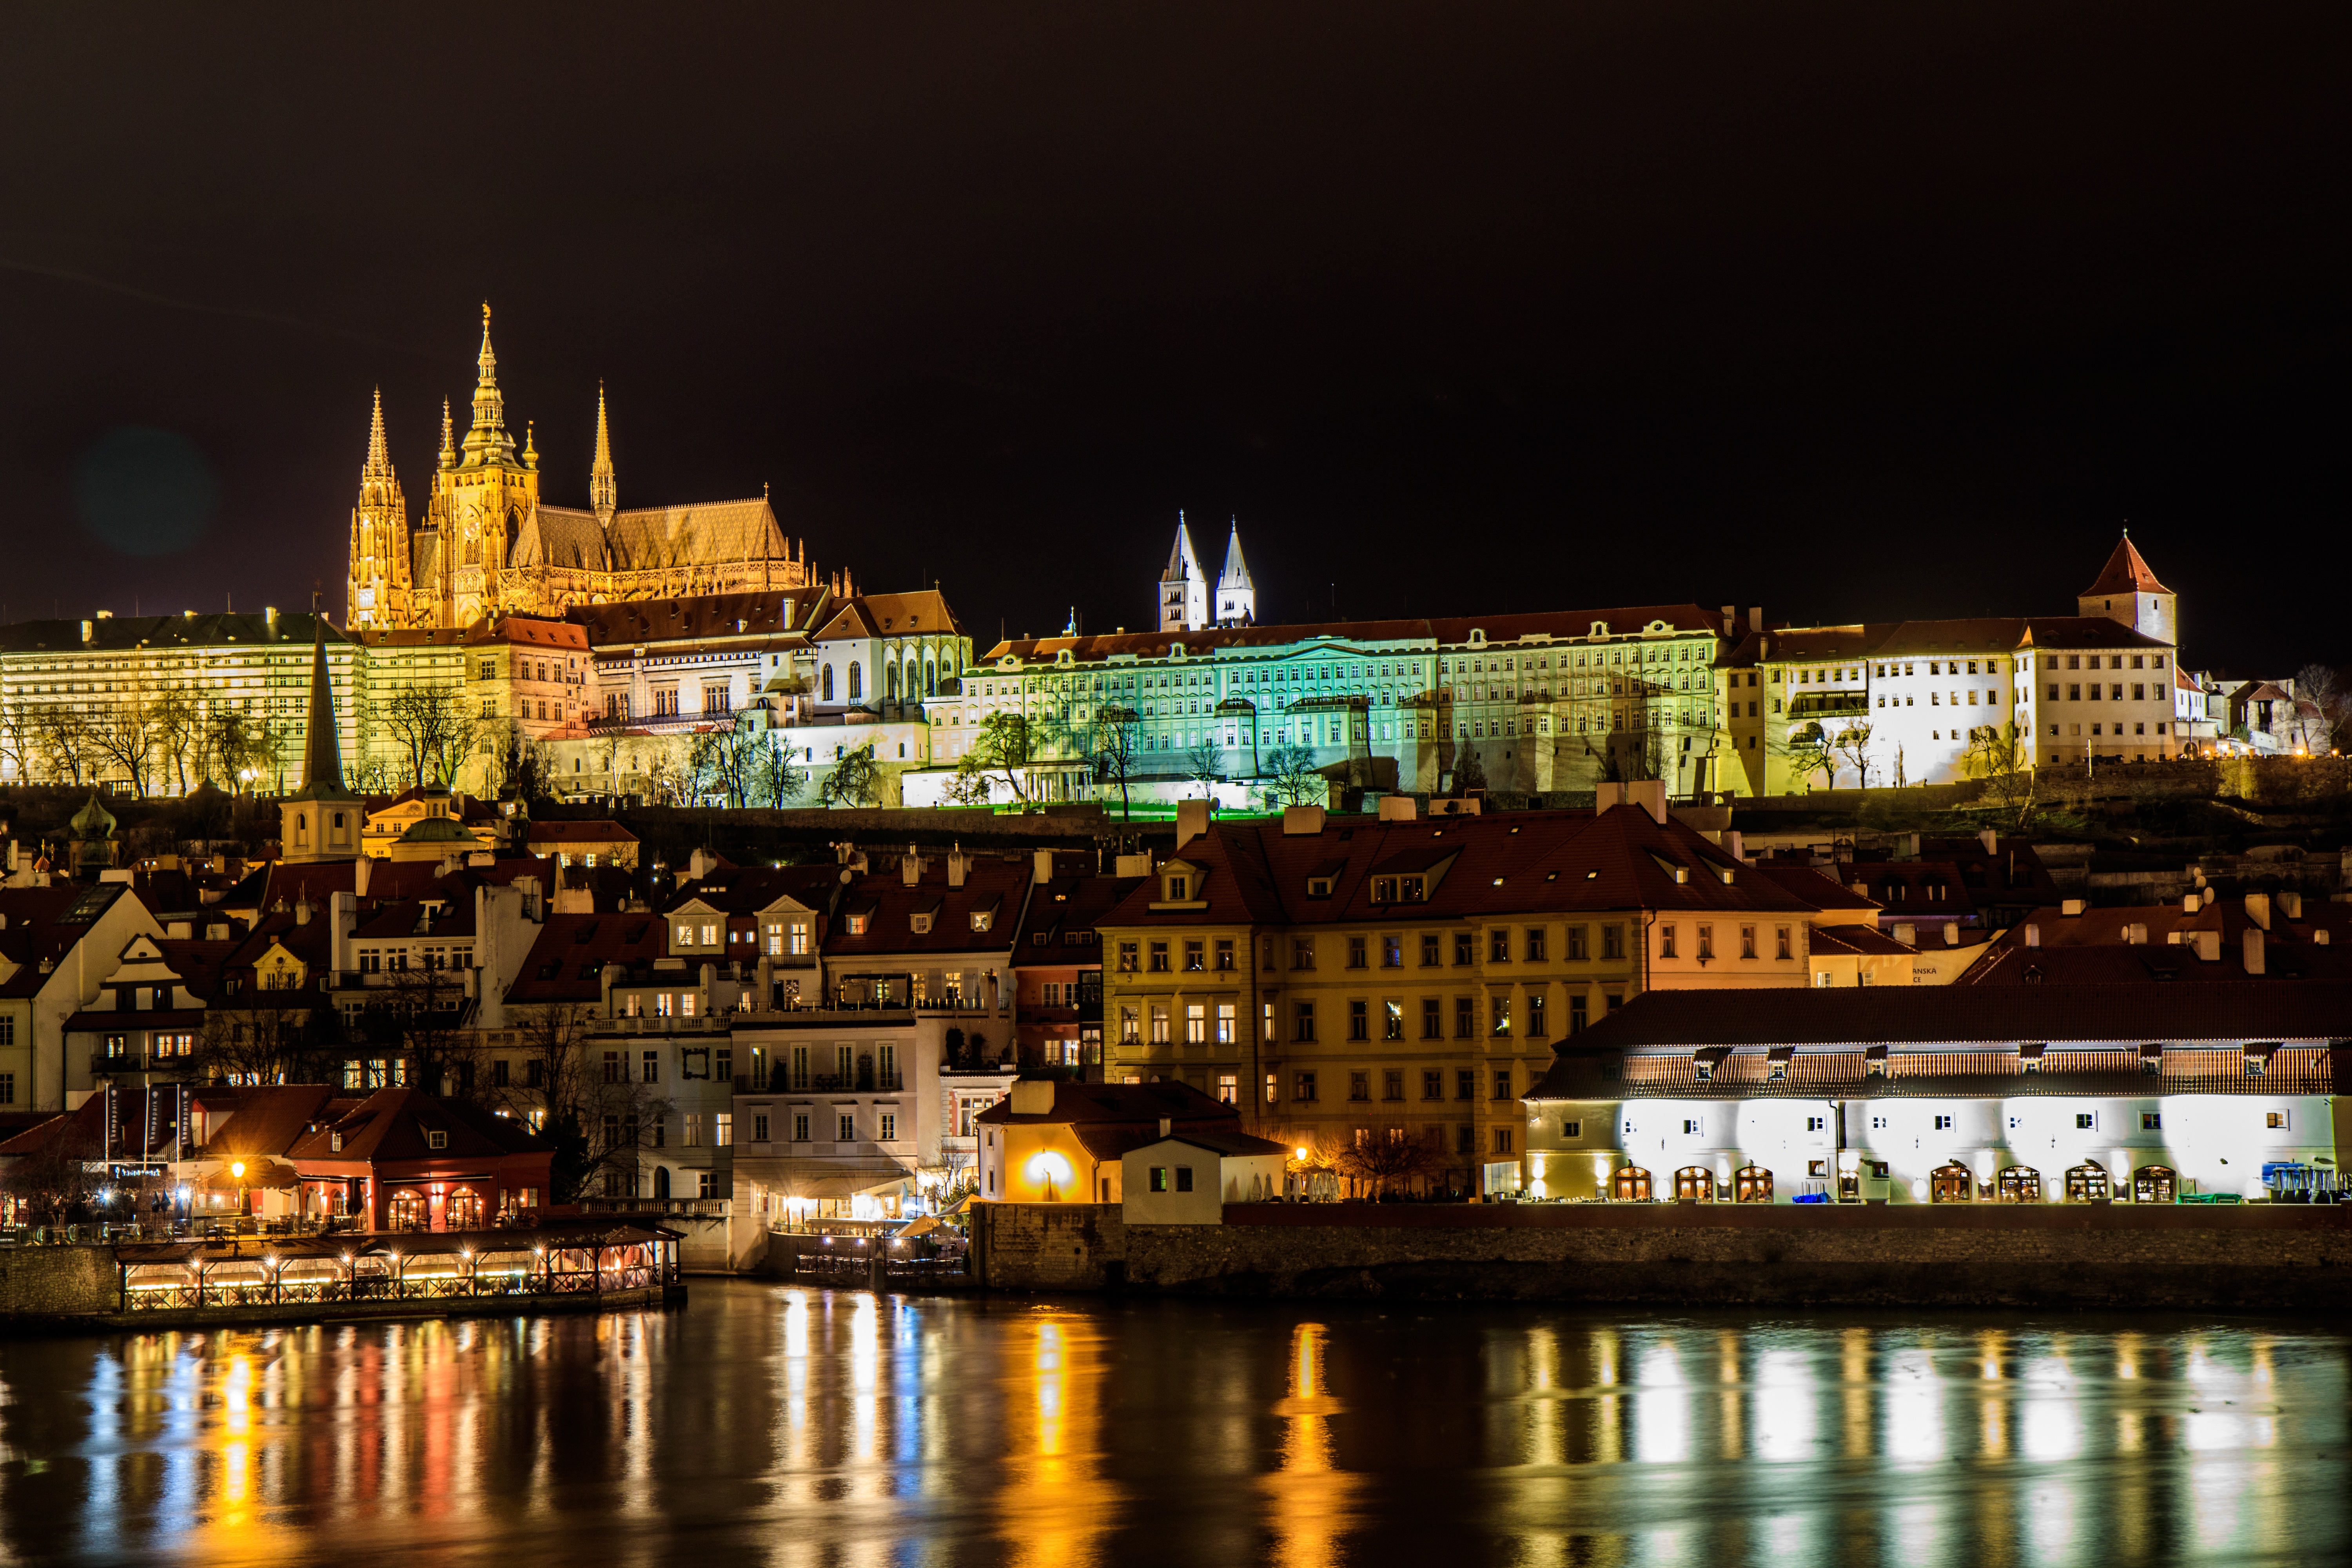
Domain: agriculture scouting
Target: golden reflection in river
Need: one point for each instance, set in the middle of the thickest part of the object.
(1308, 1497)
(1055, 1505)
(819, 1429)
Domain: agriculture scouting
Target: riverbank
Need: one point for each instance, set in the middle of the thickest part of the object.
(2283, 1258)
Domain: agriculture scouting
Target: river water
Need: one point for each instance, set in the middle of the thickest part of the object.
(773, 1425)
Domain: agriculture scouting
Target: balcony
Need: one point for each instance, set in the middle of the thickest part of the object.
(781, 1081)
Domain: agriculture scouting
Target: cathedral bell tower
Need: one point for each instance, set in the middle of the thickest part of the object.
(485, 494)
(379, 591)
(603, 491)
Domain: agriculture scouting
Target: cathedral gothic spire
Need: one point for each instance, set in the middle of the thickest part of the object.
(487, 441)
(449, 438)
(377, 470)
(603, 492)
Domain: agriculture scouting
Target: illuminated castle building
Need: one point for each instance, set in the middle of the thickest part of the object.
(487, 546)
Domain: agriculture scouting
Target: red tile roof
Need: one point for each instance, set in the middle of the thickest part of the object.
(1509, 863)
(566, 964)
(2125, 572)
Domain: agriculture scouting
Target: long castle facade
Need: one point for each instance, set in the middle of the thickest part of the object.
(488, 545)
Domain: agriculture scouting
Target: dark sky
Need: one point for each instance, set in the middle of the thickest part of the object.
(1859, 310)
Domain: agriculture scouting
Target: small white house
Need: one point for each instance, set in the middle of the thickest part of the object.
(1188, 1178)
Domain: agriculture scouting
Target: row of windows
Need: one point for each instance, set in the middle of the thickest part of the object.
(1157, 956)
(1305, 1085)
(1572, 1128)
(802, 1124)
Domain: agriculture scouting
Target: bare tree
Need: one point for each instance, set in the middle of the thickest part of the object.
(1384, 1158)
(54, 1180)
(1851, 748)
(63, 736)
(19, 742)
(2004, 758)
(236, 743)
(430, 723)
(727, 760)
(1810, 751)
(1204, 761)
(180, 734)
(1007, 744)
(1115, 741)
(270, 1040)
(2324, 687)
(125, 732)
(774, 780)
(1291, 778)
(856, 779)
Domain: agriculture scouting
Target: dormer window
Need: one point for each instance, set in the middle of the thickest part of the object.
(1412, 890)
(437, 1139)
(920, 924)
(982, 919)
(1384, 889)
(1179, 888)
(859, 921)
(1318, 887)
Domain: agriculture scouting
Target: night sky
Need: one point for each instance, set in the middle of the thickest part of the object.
(1852, 311)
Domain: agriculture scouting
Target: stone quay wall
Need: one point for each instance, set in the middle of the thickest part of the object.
(2249, 1258)
(57, 1281)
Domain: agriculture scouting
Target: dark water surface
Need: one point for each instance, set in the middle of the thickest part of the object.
(770, 1425)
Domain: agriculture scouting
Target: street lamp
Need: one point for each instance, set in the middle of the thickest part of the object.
(236, 1170)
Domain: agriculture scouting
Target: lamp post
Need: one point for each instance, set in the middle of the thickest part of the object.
(236, 1170)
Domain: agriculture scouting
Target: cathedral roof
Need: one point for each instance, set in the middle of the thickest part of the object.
(2126, 573)
(560, 536)
(696, 535)
(1236, 573)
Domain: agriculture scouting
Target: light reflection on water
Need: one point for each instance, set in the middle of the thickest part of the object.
(813, 1429)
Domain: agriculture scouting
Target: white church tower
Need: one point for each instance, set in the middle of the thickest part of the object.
(1184, 588)
(1236, 595)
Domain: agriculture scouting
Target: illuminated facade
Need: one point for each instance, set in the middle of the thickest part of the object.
(1344, 981)
(1957, 1094)
(1548, 702)
(487, 546)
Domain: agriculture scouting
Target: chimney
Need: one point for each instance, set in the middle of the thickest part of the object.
(1730, 620)
(1033, 1096)
(1041, 865)
(2135, 935)
(910, 867)
(302, 908)
(1908, 934)
(1649, 795)
(1398, 808)
(1756, 618)
(1990, 839)
(2291, 904)
(269, 620)
(958, 864)
(1732, 845)
(2208, 945)
(2258, 910)
(1951, 933)
(1167, 1126)
(2033, 936)
(1191, 821)
(1301, 821)
(2254, 951)
(86, 628)
(2071, 907)
(2189, 902)
(363, 873)
(2320, 937)
(700, 864)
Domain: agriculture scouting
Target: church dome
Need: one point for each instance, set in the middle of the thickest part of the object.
(93, 821)
(436, 830)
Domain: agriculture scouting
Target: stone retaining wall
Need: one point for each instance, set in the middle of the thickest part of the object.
(57, 1281)
(2246, 1259)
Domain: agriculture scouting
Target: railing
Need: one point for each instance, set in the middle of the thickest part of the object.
(544, 1275)
(781, 1080)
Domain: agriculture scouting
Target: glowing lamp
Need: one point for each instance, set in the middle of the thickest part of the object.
(1300, 1152)
(236, 1169)
(1047, 1166)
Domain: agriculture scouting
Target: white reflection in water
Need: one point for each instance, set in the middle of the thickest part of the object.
(2051, 1423)
(1915, 1408)
(1662, 1418)
(1787, 1416)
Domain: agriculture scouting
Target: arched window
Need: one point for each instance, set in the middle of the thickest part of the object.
(825, 685)
(930, 678)
(890, 679)
(856, 682)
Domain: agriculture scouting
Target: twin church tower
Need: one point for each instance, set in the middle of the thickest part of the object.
(487, 546)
